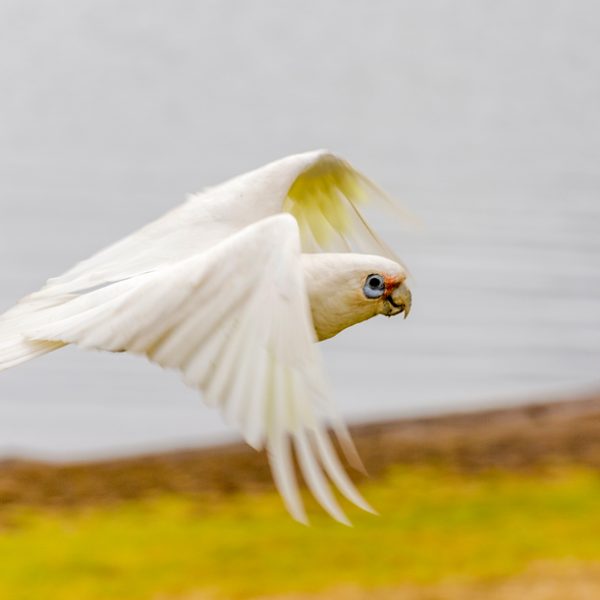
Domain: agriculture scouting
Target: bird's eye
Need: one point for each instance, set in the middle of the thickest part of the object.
(374, 286)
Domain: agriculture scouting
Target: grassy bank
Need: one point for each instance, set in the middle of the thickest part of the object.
(501, 505)
(438, 529)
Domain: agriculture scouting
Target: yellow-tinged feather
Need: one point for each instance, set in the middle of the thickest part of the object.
(326, 200)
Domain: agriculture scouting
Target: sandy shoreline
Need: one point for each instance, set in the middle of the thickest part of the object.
(522, 438)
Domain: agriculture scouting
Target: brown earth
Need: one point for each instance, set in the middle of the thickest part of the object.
(523, 438)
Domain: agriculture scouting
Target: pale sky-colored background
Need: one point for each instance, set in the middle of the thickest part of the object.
(483, 117)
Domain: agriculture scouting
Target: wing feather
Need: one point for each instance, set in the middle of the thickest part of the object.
(321, 190)
(327, 197)
(315, 479)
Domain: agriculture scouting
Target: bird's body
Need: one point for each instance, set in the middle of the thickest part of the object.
(232, 288)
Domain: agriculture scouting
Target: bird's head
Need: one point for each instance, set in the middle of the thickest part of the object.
(345, 289)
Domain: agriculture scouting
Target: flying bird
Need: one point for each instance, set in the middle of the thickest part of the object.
(232, 289)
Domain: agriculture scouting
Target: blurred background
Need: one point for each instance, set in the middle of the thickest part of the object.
(481, 118)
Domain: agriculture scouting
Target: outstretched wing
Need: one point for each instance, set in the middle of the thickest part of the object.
(323, 192)
(235, 320)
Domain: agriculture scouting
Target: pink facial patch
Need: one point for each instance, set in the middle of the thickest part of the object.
(391, 283)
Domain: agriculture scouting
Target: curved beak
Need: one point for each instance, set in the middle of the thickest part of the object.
(401, 300)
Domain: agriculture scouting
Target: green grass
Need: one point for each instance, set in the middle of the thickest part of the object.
(435, 526)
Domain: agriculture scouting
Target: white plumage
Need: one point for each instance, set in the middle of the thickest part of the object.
(219, 289)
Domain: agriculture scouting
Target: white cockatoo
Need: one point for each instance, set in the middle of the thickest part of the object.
(232, 289)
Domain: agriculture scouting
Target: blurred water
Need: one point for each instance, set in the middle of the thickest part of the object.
(483, 117)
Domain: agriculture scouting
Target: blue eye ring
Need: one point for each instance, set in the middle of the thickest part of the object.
(374, 286)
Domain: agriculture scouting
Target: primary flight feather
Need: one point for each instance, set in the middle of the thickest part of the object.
(232, 289)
